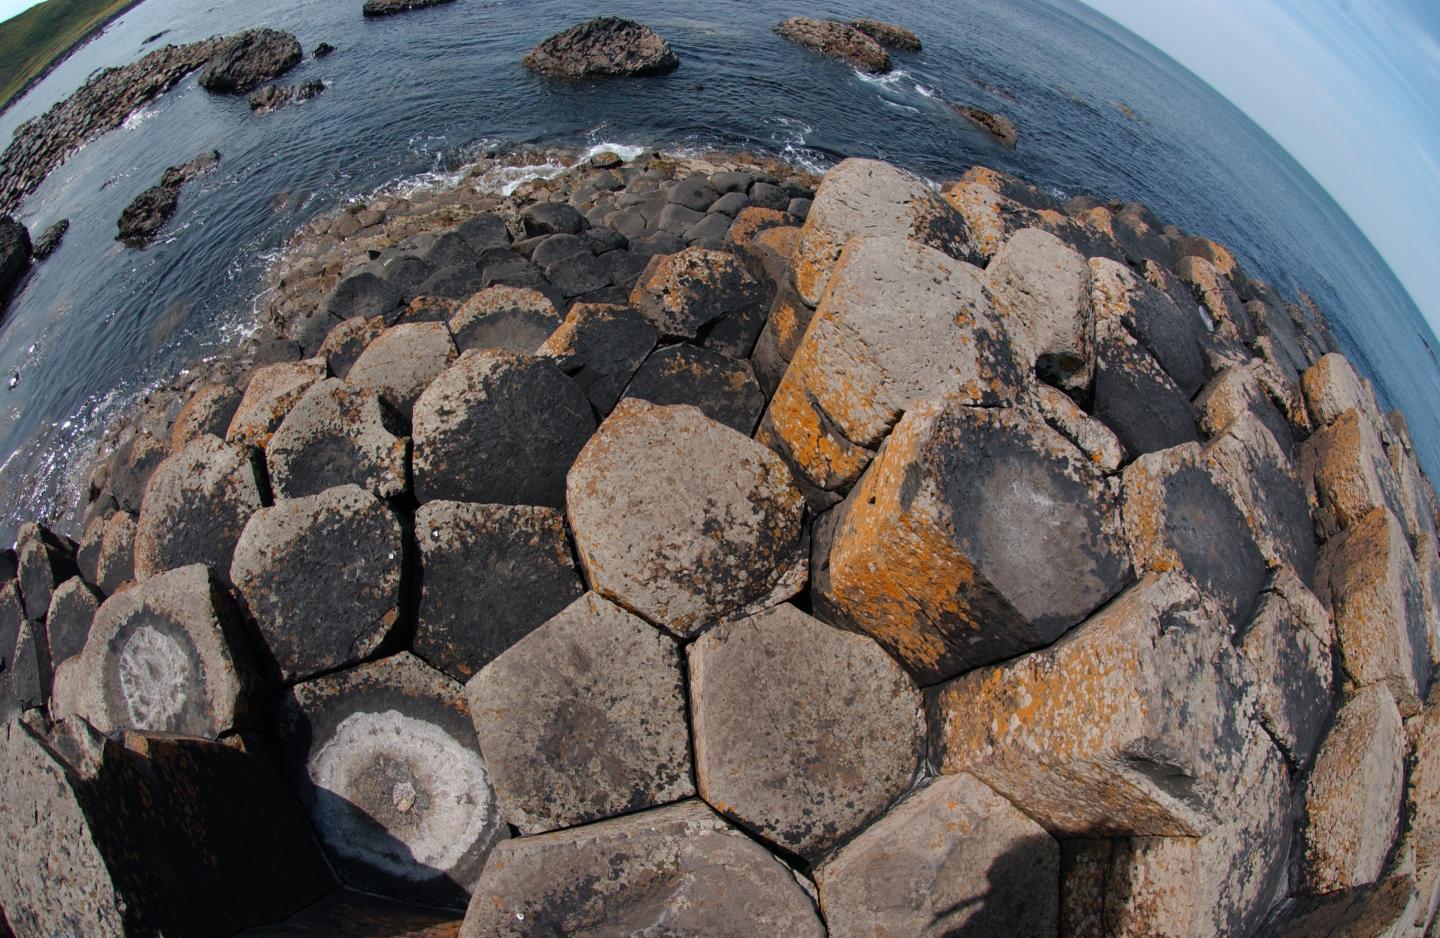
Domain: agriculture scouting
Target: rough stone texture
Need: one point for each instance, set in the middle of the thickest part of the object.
(277, 96)
(320, 577)
(1097, 441)
(1175, 336)
(837, 40)
(363, 295)
(1289, 647)
(490, 574)
(67, 624)
(391, 7)
(871, 198)
(724, 389)
(1422, 805)
(400, 364)
(209, 410)
(167, 656)
(1127, 725)
(998, 126)
(386, 764)
(977, 534)
(248, 59)
(694, 292)
(803, 733)
(336, 434)
(499, 427)
(1378, 911)
(674, 870)
(600, 346)
(780, 339)
(584, 719)
(27, 681)
(347, 339)
(272, 391)
(900, 323)
(1332, 387)
(195, 507)
(682, 520)
(954, 858)
(1041, 289)
(89, 853)
(512, 318)
(44, 561)
(1351, 474)
(141, 220)
(889, 34)
(606, 45)
(1179, 516)
(1212, 291)
(1135, 397)
(993, 206)
(1368, 579)
(1353, 794)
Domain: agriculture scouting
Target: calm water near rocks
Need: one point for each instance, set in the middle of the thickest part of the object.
(410, 97)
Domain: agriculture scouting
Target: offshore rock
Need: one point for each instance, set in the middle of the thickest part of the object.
(336, 434)
(167, 656)
(391, 7)
(320, 579)
(837, 41)
(678, 870)
(15, 251)
(723, 388)
(888, 34)
(491, 574)
(143, 218)
(499, 427)
(803, 733)
(998, 126)
(584, 719)
(277, 96)
(385, 762)
(682, 520)
(606, 45)
(195, 507)
(951, 857)
(248, 59)
(601, 346)
(1128, 725)
(977, 534)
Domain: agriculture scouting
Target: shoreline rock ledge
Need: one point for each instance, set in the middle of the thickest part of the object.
(691, 545)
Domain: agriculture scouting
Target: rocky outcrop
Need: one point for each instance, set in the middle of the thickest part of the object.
(604, 46)
(249, 59)
(998, 126)
(49, 241)
(143, 218)
(889, 34)
(391, 7)
(276, 96)
(15, 254)
(837, 40)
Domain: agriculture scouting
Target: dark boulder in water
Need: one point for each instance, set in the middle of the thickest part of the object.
(389, 7)
(606, 45)
(322, 50)
(50, 239)
(998, 126)
(249, 59)
(147, 214)
(268, 99)
(14, 254)
(888, 34)
(838, 41)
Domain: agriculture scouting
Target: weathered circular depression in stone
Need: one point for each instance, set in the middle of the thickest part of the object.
(155, 675)
(405, 796)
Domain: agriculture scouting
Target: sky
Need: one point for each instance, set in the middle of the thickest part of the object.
(1351, 88)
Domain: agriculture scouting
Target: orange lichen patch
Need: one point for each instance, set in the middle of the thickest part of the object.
(1352, 475)
(808, 437)
(789, 318)
(752, 221)
(1101, 219)
(980, 205)
(272, 391)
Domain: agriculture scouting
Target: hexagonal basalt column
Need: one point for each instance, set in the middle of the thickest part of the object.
(804, 733)
(195, 507)
(321, 579)
(584, 719)
(678, 870)
(168, 655)
(384, 759)
(683, 520)
(977, 534)
(697, 291)
(337, 433)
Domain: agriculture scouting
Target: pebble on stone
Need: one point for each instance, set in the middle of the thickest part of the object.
(338, 433)
(402, 361)
(978, 533)
(584, 719)
(803, 733)
(490, 574)
(169, 656)
(723, 388)
(682, 520)
(386, 764)
(511, 318)
(675, 870)
(272, 391)
(320, 577)
(195, 507)
(499, 427)
(953, 858)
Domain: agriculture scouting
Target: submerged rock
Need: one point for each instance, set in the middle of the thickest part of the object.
(248, 59)
(837, 40)
(280, 95)
(606, 45)
(49, 241)
(390, 7)
(143, 218)
(998, 126)
(888, 34)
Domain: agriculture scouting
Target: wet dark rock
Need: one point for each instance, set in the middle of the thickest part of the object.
(606, 45)
(837, 41)
(391, 7)
(1135, 397)
(48, 242)
(248, 59)
(457, 282)
(67, 624)
(322, 50)
(14, 255)
(143, 218)
(406, 273)
(693, 192)
(723, 388)
(998, 126)
(766, 195)
(548, 218)
(277, 96)
(453, 249)
(320, 578)
(578, 275)
(888, 34)
(499, 427)
(484, 231)
(600, 346)
(490, 574)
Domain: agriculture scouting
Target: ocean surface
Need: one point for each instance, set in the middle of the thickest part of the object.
(411, 97)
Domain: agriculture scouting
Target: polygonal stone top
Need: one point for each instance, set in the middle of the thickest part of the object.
(683, 520)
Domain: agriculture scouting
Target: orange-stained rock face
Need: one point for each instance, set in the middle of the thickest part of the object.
(1350, 473)
(899, 323)
(1134, 723)
(1041, 290)
(1212, 291)
(995, 206)
(1332, 386)
(272, 391)
(977, 534)
(868, 197)
(684, 293)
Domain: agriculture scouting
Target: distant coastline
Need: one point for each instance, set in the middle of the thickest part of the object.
(61, 55)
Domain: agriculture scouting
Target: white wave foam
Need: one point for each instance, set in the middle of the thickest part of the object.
(136, 118)
(888, 80)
